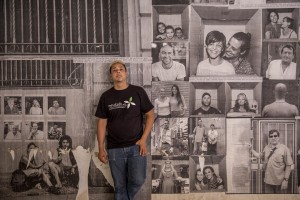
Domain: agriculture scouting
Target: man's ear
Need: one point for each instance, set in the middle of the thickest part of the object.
(243, 52)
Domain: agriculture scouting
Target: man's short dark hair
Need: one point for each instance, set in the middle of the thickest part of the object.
(288, 46)
(274, 131)
(117, 62)
(205, 93)
(216, 36)
(245, 38)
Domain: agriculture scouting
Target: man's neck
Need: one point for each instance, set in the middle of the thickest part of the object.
(120, 85)
(206, 108)
(284, 65)
(167, 66)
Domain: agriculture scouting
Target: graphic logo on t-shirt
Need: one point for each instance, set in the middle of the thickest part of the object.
(129, 102)
(120, 105)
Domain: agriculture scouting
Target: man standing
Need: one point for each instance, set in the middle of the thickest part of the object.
(277, 163)
(236, 53)
(167, 69)
(199, 132)
(280, 108)
(283, 68)
(120, 111)
(166, 140)
(206, 108)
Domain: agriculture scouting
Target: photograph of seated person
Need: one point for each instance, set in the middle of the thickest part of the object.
(35, 132)
(63, 165)
(272, 29)
(177, 102)
(179, 34)
(162, 105)
(241, 106)
(167, 69)
(206, 108)
(211, 179)
(215, 65)
(11, 107)
(280, 108)
(277, 162)
(35, 169)
(283, 68)
(36, 108)
(237, 51)
(287, 27)
(14, 133)
(161, 31)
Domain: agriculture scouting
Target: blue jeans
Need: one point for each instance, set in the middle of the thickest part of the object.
(128, 169)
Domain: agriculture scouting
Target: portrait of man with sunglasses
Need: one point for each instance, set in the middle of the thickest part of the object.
(277, 161)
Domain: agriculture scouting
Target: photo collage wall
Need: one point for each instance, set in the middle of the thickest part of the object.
(225, 80)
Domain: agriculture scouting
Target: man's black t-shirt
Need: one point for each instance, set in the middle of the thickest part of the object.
(211, 110)
(123, 110)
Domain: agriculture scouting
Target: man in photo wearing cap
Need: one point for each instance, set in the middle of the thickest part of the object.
(206, 108)
(120, 111)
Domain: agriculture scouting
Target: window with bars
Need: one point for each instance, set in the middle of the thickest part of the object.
(41, 73)
(59, 27)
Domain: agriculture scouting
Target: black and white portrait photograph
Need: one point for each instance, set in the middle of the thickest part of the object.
(207, 136)
(34, 105)
(170, 176)
(207, 99)
(207, 175)
(12, 105)
(56, 130)
(34, 130)
(281, 23)
(12, 130)
(56, 105)
(282, 101)
(170, 137)
(282, 61)
(169, 61)
(170, 99)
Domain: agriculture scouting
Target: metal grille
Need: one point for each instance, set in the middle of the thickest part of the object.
(59, 27)
(41, 73)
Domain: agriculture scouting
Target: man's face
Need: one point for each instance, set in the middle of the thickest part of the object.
(11, 102)
(14, 129)
(206, 100)
(55, 104)
(166, 54)
(166, 125)
(214, 49)
(199, 122)
(118, 73)
(169, 33)
(287, 55)
(273, 138)
(233, 49)
(65, 144)
(34, 128)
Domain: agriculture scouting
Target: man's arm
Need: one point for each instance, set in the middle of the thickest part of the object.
(148, 126)
(284, 184)
(102, 155)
